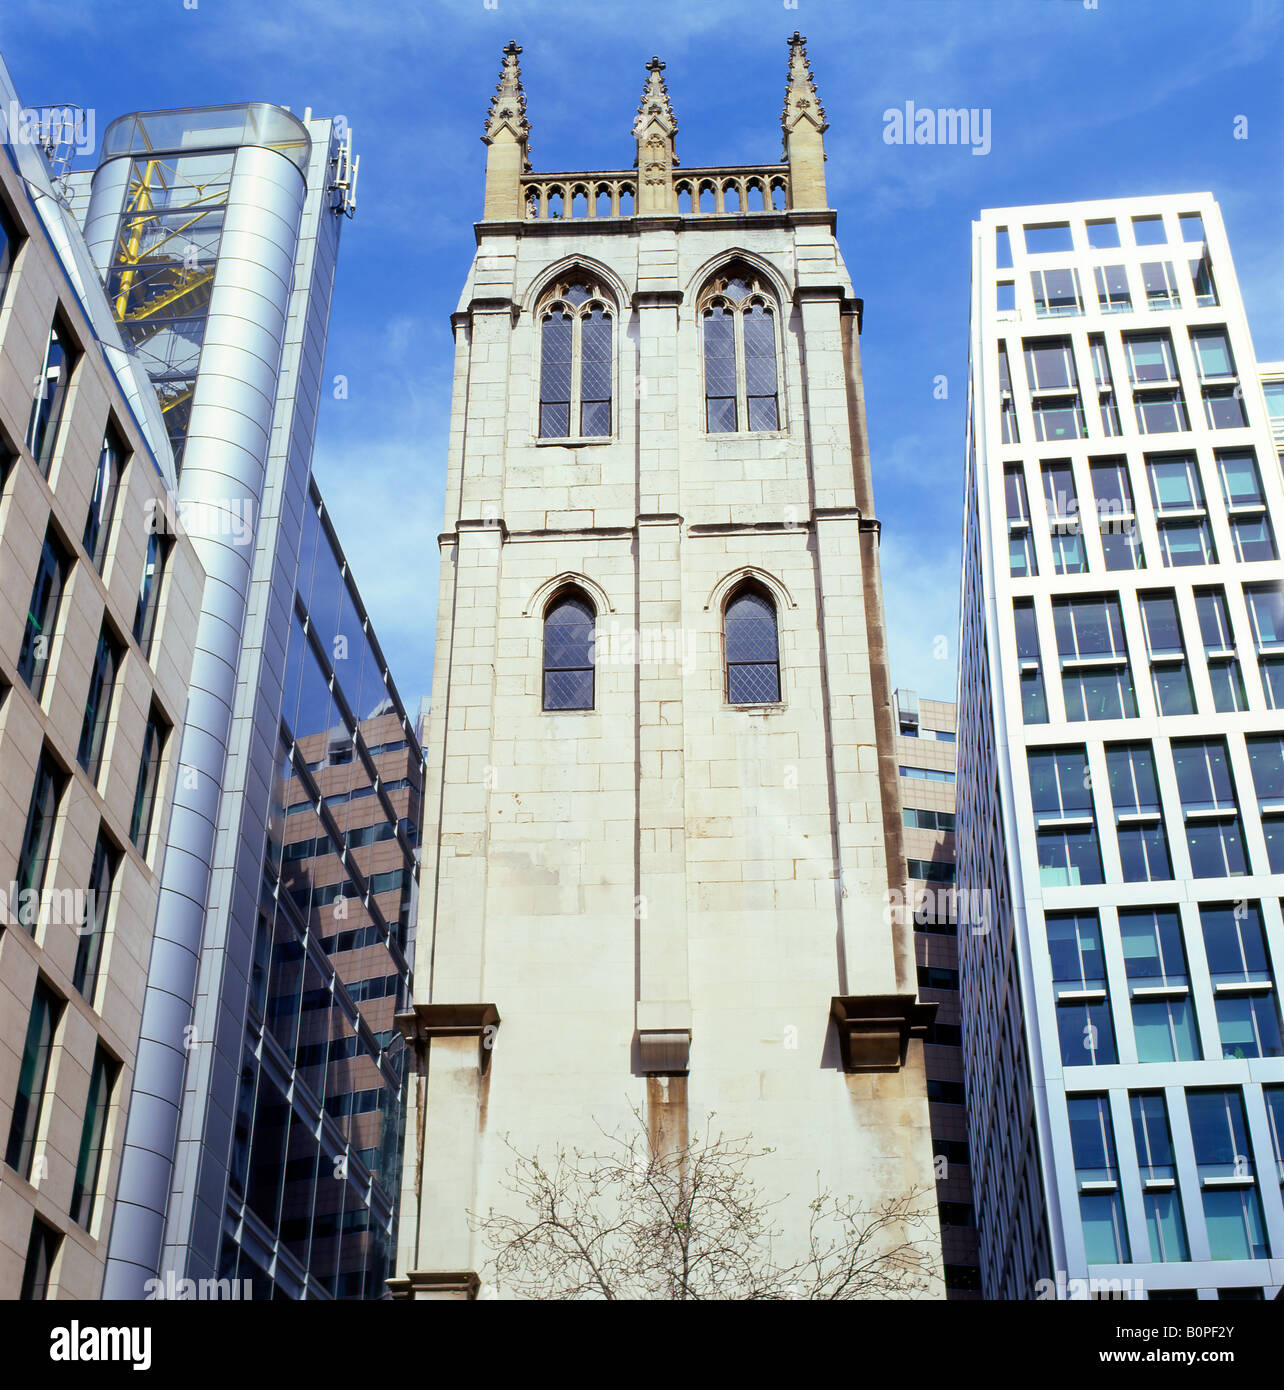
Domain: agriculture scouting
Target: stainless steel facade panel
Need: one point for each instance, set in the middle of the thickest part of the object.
(212, 468)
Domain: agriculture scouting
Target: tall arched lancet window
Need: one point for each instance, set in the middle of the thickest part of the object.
(752, 647)
(576, 319)
(741, 383)
(568, 651)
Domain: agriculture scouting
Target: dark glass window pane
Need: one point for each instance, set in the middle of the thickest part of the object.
(102, 682)
(556, 355)
(149, 590)
(42, 1023)
(102, 504)
(89, 946)
(595, 374)
(140, 823)
(42, 1250)
(42, 616)
(51, 395)
(568, 654)
(753, 661)
(720, 370)
(42, 814)
(93, 1131)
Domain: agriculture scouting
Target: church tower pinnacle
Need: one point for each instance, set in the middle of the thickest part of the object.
(655, 129)
(804, 125)
(507, 135)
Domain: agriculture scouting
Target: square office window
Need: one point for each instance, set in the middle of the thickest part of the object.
(1041, 238)
(1068, 858)
(1154, 954)
(1149, 231)
(1164, 1030)
(1002, 249)
(1103, 233)
(1212, 353)
(1163, 1019)
(1204, 776)
(1233, 1218)
(1056, 293)
(1224, 408)
(1049, 365)
(1186, 543)
(1087, 1034)
(1074, 949)
(1058, 419)
(1235, 944)
(1266, 610)
(33, 1074)
(1150, 358)
(1165, 1226)
(1241, 482)
(1274, 393)
(1192, 226)
(1160, 283)
(1249, 1026)
(1161, 412)
(1112, 289)
(1253, 539)
(1005, 297)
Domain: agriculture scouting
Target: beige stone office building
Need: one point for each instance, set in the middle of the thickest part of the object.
(97, 619)
(662, 821)
(926, 766)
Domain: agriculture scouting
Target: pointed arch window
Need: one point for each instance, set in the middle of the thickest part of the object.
(568, 651)
(577, 322)
(751, 642)
(739, 316)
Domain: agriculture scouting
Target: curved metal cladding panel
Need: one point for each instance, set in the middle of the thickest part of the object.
(223, 468)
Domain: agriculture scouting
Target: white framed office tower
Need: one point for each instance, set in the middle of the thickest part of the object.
(657, 856)
(1121, 759)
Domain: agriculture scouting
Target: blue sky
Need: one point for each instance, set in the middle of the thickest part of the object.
(1120, 97)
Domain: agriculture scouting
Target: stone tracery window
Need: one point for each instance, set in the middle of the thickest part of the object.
(576, 318)
(738, 314)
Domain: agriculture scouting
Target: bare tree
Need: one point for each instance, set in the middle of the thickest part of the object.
(633, 1221)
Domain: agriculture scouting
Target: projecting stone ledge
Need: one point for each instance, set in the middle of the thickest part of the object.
(460, 1285)
(874, 1029)
(422, 1022)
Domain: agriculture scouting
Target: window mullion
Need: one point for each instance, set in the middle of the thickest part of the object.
(575, 426)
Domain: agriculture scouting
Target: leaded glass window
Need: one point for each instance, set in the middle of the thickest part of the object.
(741, 377)
(568, 652)
(576, 355)
(752, 647)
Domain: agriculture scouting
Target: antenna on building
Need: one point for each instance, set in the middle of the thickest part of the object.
(344, 183)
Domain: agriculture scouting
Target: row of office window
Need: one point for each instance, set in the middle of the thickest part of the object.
(1066, 823)
(1158, 982)
(1159, 395)
(1096, 667)
(1227, 1176)
(1176, 489)
(1060, 292)
(44, 1021)
(1099, 234)
(739, 318)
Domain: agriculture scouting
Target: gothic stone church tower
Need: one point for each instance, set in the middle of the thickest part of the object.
(662, 816)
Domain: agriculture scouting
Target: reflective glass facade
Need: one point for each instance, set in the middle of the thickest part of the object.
(318, 1130)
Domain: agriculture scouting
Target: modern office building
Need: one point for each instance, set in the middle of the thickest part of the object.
(268, 1084)
(98, 604)
(663, 821)
(925, 748)
(255, 1119)
(1121, 759)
